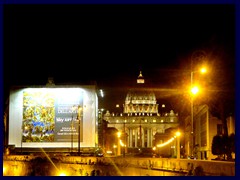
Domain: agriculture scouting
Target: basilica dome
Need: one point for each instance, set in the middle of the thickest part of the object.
(140, 100)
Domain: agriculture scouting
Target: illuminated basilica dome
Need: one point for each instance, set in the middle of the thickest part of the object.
(140, 101)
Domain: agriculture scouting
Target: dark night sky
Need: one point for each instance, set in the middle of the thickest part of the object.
(102, 43)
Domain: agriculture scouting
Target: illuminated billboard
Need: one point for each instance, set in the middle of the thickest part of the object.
(53, 117)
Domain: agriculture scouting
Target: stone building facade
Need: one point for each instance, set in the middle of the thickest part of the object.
(140, 120)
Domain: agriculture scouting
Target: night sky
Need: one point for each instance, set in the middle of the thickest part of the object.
(110, 44)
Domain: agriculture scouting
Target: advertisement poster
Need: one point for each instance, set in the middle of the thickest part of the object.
(52, 115)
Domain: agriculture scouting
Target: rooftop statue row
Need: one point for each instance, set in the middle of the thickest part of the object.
(171, 114)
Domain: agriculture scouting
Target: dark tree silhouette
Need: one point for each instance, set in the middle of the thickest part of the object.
(223, 145)
(217, 145)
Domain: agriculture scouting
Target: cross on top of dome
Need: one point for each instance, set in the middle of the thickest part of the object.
(140, 79)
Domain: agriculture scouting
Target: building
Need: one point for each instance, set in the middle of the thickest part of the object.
(231, 125)
(141, 126)
(205, 127)
(59, 118)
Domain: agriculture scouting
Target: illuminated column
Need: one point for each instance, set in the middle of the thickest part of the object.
(148, 139)
(151, 137)
(143, 145)
(132, 134)
(136, 137)
(130, 137)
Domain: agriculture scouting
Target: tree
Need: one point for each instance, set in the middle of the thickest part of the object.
(223, 145)
(217, 145)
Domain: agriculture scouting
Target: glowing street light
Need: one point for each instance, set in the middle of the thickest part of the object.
(178, 134)
(203, 70)
(194, 91)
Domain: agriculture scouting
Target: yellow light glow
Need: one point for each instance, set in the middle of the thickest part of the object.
(121, 143)
(119, 134)
(203, 70)
(166, 143)
(4, 169)
(169, 141)
(178, 133)
(195, 90)
(62, 174)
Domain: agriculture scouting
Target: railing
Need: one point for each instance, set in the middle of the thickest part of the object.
(184, 166)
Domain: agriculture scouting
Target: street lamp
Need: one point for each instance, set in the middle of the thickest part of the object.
(178, 134)
(194, 91)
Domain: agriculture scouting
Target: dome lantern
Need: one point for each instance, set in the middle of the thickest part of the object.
(140, 79)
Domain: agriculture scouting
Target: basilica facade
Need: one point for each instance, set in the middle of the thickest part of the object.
(140, 125)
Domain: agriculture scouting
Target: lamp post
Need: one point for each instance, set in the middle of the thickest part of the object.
(194, 91)
(178, 134)
(192, 138)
